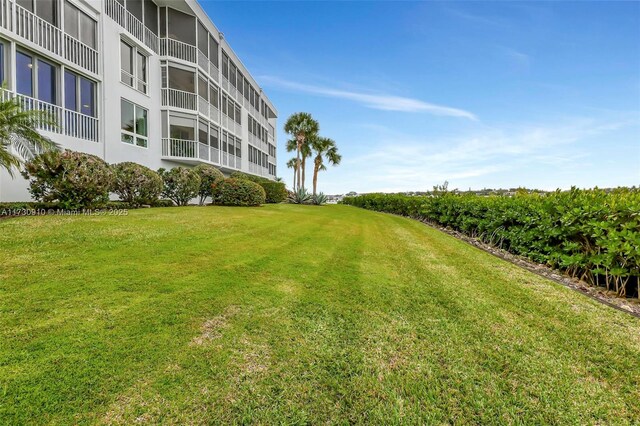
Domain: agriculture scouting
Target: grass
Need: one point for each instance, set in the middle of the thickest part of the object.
(294, 314)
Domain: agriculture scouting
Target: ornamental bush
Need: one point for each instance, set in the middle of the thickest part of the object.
(210, 176)
(181, 185)
(73, 180)
(136, 184)
(239, 192)
(276, 192)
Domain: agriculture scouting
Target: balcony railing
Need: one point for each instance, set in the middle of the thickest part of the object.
(133, 25)
(48, 37)
(70, 123)
(179, 99)
(179, 50)
(194, 150)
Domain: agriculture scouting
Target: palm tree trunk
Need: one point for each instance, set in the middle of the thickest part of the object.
(315, 178)
(303, 166)
(298, 160)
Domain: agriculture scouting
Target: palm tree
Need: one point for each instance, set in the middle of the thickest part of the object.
(325, 148)
(291, 164)
(305, 152)
(19, 130)
(291, 146)
(301, 126)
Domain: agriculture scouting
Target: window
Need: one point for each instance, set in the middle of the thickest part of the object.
(133, 122)
(203, 39)
(225, 65)
(213, 48)
(36, 78)
(203, 89)
(79, 94)
(203, 133)
(135, 7)
(151, 16)
(46, 10)
(133, 67)
(238, 119)
(232, 73)
(79, 25)
(181, 79)
(214, 97)
(213, 138)
(181, 27)
(181, 132)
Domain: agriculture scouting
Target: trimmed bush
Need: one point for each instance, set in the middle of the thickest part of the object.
(239, 192)
(276, 191)
(72, 179)
(181, 185)
(136, 184)
(210, 176)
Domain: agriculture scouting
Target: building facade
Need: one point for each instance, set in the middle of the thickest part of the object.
(148, 81)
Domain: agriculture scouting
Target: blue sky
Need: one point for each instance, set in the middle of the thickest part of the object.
(497, 94)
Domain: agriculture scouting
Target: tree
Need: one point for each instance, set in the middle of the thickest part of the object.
(305, 152)
(291, 164)
(301, 126)
(325, 149)
(19, 130)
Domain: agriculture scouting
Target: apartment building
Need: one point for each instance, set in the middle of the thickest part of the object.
(148, 81)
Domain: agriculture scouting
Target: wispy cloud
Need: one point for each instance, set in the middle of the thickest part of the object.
(401, 162)
(371, 100)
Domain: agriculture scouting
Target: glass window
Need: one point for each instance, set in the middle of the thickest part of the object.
(47, 11)
(133, 122)
(135, 7)
(126, 63)
(87, 97)
(225, 65)
(238, 115)
(141, 72)
(182, 27)
(151, 16)
(181, 79)
(203, 89)
(24, 73)
(213, 48)
(213, 138)
(134, 67)
(46, 82)
(70, 91)
(213, 97)
(79, 25)
(203, 39)
(181, 132)
(70, 20)
(203, 132)
(87, 30)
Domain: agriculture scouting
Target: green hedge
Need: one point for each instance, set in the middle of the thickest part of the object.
(276, 192)
(239, 192)
(590, 234)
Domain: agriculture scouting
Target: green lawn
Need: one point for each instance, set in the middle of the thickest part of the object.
(294, 314)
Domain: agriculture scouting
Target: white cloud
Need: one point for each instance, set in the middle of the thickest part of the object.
(375, 101)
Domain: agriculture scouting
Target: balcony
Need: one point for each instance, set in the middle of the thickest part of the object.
(179, 50)
(259, 170)
(30, 27)
(194, 152)
(130, 23)
(179, 99)
(71, 123)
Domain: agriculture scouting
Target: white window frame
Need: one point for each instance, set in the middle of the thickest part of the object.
(139, 83)
(135, 136)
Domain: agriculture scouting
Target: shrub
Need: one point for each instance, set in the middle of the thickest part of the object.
(301, 196)
(72, 179)
(136, 184)
(319, 199)
(276, 191)
(210, 176)
(240, 192)
(181, 185)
